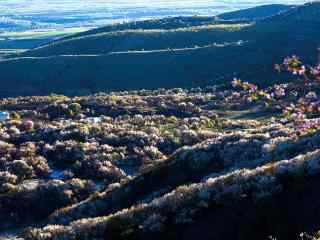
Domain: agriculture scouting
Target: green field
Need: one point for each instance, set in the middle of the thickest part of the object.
(43, 33)
(16, 42)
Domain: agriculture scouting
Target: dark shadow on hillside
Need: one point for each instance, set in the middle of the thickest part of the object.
(284, 216)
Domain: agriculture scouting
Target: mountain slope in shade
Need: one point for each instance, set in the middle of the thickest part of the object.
(181, 55)
(171, 24)
(255, 13)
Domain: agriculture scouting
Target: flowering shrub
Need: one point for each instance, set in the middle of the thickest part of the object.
(298, 99)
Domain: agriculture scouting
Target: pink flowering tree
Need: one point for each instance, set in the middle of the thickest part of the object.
(298, 99)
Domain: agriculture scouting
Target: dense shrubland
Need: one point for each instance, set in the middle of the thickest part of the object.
(165, 164)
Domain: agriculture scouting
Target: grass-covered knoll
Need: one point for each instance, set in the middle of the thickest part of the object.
(182, 56)
(139, 40)
(179, 22)
(255, 13)
(70, 33)
(92, 73)
(165, 23)
(186, 22)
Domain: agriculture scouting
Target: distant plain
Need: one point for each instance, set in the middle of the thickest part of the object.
(25, 24)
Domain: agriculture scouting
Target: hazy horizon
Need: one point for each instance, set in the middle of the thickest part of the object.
(78, 13)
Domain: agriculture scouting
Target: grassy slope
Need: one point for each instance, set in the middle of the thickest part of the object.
(266, 43)
(180, 22)
(166, 23)
(255, 12)
(97, 72)
(138, 40)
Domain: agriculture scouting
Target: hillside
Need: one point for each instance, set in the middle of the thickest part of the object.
(162, 164)
(170, 53)
(165, 23)
(183, 22)
(139, 40)
(255, 13)
(63, 21)
(174, 33)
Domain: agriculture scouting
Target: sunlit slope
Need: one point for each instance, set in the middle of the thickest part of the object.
(165, 23)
